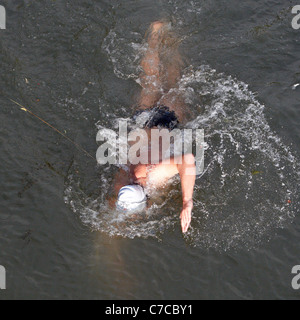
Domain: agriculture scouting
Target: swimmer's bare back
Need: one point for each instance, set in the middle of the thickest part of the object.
(157, 175)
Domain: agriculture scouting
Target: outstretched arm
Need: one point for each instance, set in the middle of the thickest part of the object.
(187, 172)
(185, 166)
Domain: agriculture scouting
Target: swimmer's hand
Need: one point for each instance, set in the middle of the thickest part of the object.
(186, 215)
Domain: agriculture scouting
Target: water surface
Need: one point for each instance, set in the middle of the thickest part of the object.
(76, 65)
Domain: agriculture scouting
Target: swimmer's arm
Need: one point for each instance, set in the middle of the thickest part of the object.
(187, 172)
(185, 167)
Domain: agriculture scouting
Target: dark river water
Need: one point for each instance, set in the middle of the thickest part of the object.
(75, 64)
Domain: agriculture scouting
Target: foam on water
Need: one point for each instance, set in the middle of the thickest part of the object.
(124, 53)
(249, 185)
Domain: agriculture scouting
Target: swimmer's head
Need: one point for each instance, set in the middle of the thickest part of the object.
(131, 198)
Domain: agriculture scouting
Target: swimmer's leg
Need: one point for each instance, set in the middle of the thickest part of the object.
(171, 60)
(150, 78)
(162, 67)
(173, 64)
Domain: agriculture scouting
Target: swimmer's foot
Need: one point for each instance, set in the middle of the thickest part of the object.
(155, 33)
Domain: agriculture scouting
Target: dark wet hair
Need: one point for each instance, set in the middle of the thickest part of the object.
(159, 116)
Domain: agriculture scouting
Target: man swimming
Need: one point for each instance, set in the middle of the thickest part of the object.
(158, 110)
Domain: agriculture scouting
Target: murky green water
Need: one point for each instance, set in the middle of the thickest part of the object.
(76, 65)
